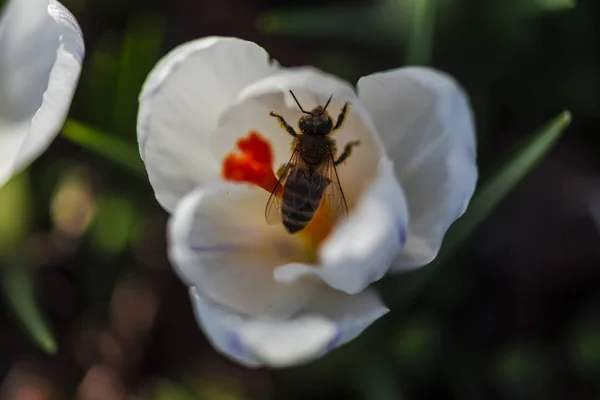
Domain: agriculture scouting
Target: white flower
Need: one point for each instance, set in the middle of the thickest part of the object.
(41, 51)
(263, 296)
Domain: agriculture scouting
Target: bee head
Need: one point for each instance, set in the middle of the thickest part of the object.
(317, 121)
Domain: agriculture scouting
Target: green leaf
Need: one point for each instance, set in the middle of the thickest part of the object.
(555, 5)
(17, 284)
(527, 156)
(99, 82)
(387, 23)
(140, 51)
(167, 390)
(105, 145)
(420, 36)
(378, 381)
(519, 9)
(354, 23)
(489, 194)
(15, 213)
(114, 226)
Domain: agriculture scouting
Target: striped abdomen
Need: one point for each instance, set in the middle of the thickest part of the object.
(302, 195)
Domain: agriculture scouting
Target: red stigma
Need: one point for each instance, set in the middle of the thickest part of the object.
(254, 163)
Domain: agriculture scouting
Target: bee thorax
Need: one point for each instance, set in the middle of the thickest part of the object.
(314, 150)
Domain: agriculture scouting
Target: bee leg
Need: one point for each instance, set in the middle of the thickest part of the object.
(347, 152)
(284, 124)
(342, 116)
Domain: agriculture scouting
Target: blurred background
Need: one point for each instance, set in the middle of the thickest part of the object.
(514, 314)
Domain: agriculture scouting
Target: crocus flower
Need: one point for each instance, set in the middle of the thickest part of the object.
(264, 296)
(41, 51)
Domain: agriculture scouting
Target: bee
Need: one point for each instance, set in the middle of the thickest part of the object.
(310, 177)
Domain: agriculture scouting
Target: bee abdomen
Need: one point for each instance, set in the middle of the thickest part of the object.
(301, 200)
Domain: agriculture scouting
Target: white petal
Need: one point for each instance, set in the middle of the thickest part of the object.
(181, 103)
(426, 124)
(312, 87)
(41, 51)
(330, 320)
(220, 242)
(361, 250)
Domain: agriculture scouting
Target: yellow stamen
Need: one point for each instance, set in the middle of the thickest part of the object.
(318, 228)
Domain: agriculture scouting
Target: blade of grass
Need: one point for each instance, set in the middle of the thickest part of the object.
(141, 49)
(354, 23)
(504, 180)
(17, 284)
(105, 145)
(420, 36)
(528, 155)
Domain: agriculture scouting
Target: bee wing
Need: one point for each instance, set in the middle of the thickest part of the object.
(273, 207)
(334, 194)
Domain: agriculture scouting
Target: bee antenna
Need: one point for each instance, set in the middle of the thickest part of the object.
(327, 104)
(297, 102)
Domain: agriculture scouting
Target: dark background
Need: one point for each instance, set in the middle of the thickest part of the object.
(514, 315)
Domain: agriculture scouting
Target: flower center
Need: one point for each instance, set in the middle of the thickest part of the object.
(254, 164)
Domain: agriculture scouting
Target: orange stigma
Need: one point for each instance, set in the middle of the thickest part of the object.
(253, 164)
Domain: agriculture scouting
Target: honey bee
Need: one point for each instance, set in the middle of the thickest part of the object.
(310, 177)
